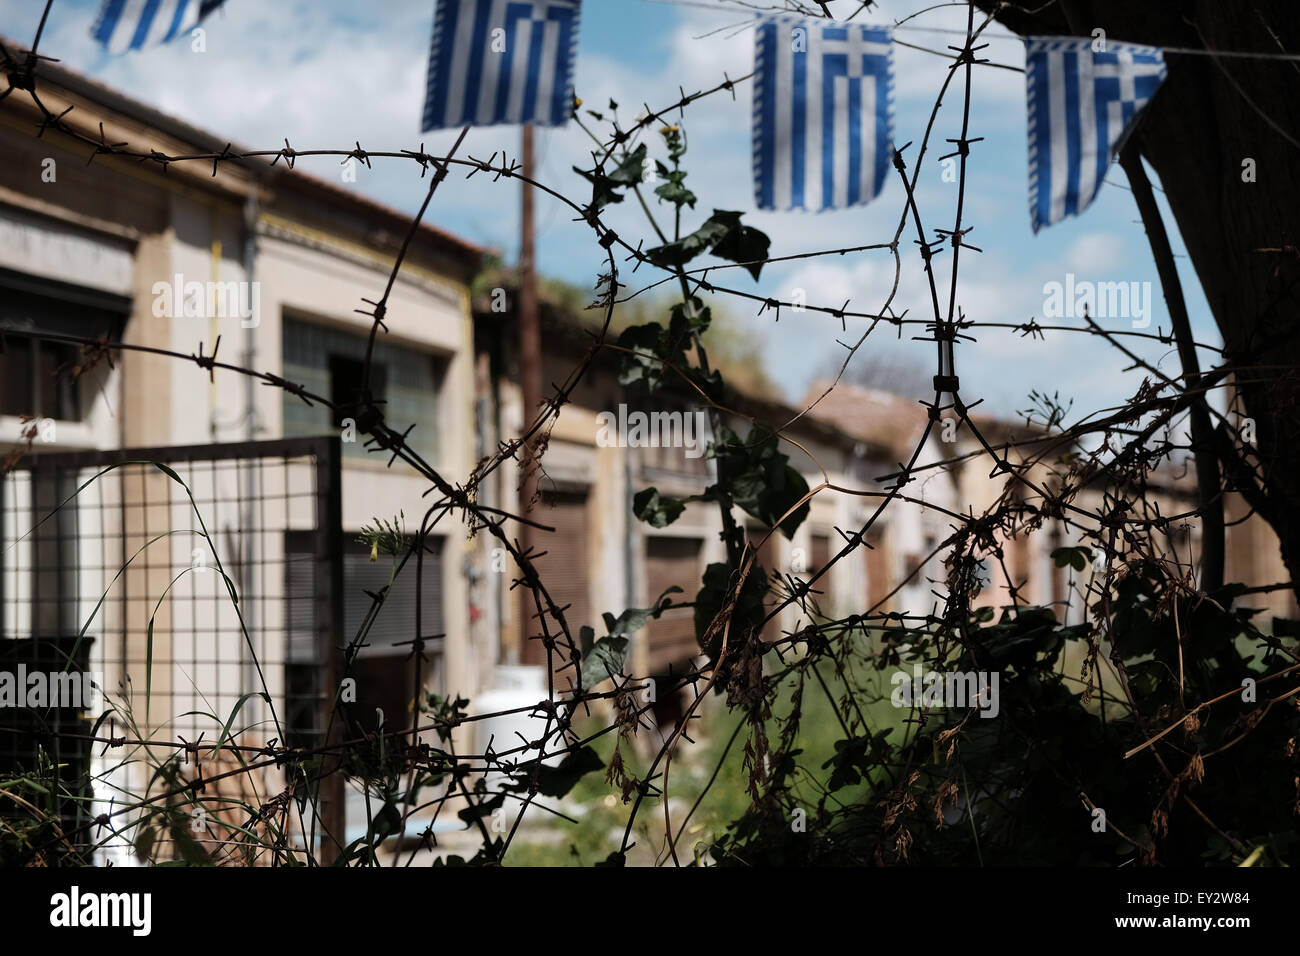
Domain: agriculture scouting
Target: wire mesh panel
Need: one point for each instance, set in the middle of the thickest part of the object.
(203, 581)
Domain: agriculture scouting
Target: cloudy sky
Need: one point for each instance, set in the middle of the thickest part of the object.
(327, 73)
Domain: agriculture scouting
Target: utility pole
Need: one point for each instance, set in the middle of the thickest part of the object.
(530, 380)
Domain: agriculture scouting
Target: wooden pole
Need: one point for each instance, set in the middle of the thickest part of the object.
(530, 380)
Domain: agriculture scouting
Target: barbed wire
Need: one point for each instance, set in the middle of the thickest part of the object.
(1123, 527)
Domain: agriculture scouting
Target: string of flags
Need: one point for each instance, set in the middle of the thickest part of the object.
(1082, 104)
(823, 113)
(501, 61)
(823, 108)
(124, 25)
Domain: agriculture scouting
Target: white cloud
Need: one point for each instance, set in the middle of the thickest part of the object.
(1094, 252)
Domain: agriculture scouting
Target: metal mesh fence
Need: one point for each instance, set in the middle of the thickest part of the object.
(192, 581)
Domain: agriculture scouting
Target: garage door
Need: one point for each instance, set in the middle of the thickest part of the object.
(878, 577)
(671, 638)
(564, 569)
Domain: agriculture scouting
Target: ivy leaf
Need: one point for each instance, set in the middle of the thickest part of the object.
(688, 247)
(1077, 558)
(673, 189)
(190, 850)
(696, 318)
(632, 620)
(632, 170)
(710, 384)
(723, 235)
(855, 757)
(647, 350)
(144, 841)
(747, 613)
(607, 655)
(477, 811)
(651, 349)
(386, 822)
(605, 660)
(659, 511)
(760, 479)
(605, 187)
(602, 189)
(744, 244)
(637, 369)
(559, 780)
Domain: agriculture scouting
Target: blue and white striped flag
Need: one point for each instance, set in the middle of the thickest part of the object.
(1082, 106)
(823, 113)
(135, 24)
(501, 61)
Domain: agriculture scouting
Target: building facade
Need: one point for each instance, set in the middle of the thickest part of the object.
(264, 267)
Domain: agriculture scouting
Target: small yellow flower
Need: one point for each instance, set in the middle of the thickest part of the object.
(577, 101)
(374, 550)
(668, 129)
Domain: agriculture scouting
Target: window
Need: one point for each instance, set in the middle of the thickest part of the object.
(1055, 540)
(55, 733)
(404, 382)
(31, 383)
(672, 561)
(818, 559)
(306, 697)
(33, 379)
(675, 438)
(384, 671)
(348, 386)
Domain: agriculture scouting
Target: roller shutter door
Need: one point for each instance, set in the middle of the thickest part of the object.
(878, 583)
(565, 570)
(671, 638)
(396, 619)
(384, 673)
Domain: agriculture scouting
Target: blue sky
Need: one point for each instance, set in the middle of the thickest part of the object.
(324, 74)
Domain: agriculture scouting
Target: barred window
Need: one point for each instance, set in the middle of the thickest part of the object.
(331, 362)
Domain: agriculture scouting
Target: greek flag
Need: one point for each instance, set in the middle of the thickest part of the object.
(823, 113)
(501, 61)
(135, 24)
(1082, 106)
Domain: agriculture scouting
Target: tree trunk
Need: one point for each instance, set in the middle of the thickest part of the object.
(1214, 123)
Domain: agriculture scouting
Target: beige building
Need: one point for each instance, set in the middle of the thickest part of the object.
(272, 263)
(600, 557)
(1253, 554)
